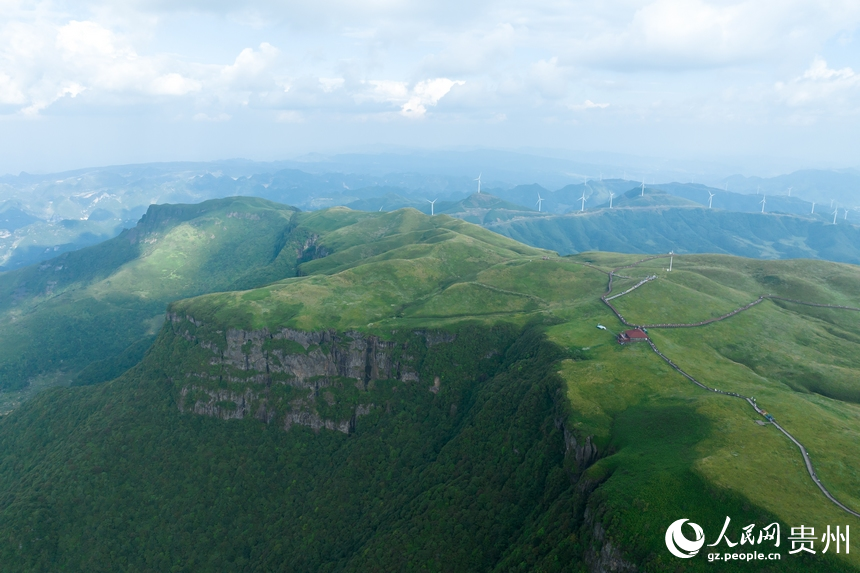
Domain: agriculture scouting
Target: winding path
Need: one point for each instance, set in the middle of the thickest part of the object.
(803, 451)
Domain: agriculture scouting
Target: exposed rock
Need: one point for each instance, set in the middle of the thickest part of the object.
(250, 362)
(583, 454)
(316, 423)
(435, 337)
(354, 355)
(229, 405)
(608, 559)
(436, 385)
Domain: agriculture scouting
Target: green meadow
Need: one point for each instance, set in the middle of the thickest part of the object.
(479, 460)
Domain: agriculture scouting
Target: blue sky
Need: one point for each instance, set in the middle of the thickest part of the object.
(91, 83)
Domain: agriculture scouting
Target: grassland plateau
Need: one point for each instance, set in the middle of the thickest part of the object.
(407, 392)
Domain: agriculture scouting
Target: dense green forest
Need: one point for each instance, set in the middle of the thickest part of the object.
(418, 393)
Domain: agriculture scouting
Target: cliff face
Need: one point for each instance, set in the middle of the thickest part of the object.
(289, 376)
(326, 355)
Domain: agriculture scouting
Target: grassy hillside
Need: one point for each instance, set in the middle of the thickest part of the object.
(647, 198)
(106, 303)
(483, 208)
(427, 395)
(689, 230)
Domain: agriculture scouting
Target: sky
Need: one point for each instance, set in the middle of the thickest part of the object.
(89, 83)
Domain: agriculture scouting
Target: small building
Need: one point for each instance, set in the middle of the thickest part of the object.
(635, 335)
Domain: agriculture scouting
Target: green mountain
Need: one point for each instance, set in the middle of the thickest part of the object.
(423, 394)
(388, 202)
(688, 230)
(483, 208)
(95, 311)
(647, 198)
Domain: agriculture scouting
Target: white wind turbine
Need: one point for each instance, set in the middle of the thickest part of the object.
(643, 189)
(671, 258)
(846, 215)
(710, 199)
(611, 195)
(432, 204)
(813, 208)
(789, 191)
(763, 203)
(539, 202)
(583, 201)
(479, 181)
(835, 212)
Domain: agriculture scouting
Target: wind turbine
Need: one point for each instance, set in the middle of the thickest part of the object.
(611, 195)
(671, 258)
(813, 208)
(846, 215)
(789, 191)
(479, 181)
(763, 203)
(539, 201)
(583, 201)
(710, 199)
(643, 189)
(835, 212)
(432, 204)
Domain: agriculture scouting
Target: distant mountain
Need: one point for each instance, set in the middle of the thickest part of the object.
(646, 198)
(483, 208)
(389, 202)
(822, 186)
(596, 192)
(42, 216)
(745, 203)
(526, 196)
(688, 230)
(45, 215)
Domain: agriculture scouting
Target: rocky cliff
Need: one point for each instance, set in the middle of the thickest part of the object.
(290, 376)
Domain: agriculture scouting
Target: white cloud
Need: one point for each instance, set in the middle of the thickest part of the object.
(696, 34)
(821, 85)
(412, 102)
(251, 67)
(588, 104)
(708, 62)
(10, 91)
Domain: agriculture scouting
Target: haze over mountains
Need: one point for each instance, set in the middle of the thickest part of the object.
(42, 216)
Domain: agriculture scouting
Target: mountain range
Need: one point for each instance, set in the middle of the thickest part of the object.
(362, 391)
(42, 216)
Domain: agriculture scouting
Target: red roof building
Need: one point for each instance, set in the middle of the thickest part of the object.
(635, 335)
